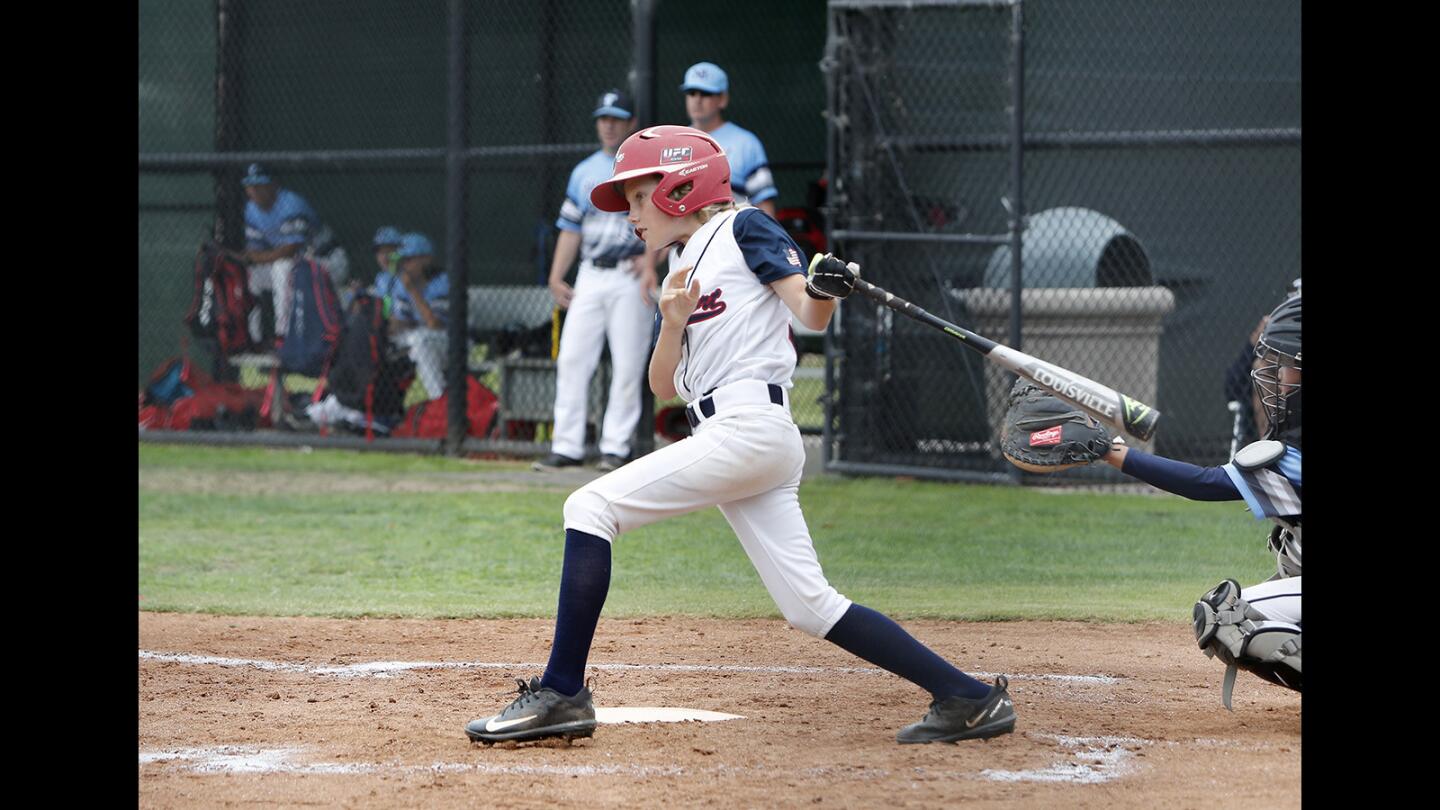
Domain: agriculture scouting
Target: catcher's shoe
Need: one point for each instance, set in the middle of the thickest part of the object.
(955, 719)
(536, 714)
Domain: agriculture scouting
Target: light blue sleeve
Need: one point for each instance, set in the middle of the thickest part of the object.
(438, 289)
(437, 295)
(295, 218)
(1272, 491)
(572, 210)
(254, 229)
(755, 179)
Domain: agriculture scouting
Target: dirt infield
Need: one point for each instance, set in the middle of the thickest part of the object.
(369, 713)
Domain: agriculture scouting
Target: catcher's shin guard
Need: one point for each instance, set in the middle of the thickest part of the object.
(1228, 628)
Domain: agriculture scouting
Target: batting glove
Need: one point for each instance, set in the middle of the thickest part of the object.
(830, 278)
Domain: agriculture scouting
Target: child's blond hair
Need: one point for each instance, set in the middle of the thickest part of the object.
(704, 214)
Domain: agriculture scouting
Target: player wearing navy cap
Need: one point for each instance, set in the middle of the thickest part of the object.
(280, 226)
(723, 345)
(707, 94)
(609, 302)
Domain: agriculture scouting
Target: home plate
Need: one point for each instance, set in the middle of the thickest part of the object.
(658, 714)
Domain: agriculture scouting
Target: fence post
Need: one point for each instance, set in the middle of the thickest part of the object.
(1017, 187)
(229, 202)
(458, 424)
(642, 84)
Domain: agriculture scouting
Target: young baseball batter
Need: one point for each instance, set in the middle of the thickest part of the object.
(723, 345)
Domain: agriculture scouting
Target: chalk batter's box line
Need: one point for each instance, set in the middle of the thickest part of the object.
(388, 669)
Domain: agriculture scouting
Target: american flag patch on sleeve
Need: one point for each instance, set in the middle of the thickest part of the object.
(793, 256)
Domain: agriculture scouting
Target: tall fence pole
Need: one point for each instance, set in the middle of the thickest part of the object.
(458, 424)
(1017, 167)
(1017, 186)
(229, 201)
(642, 85)
(829, 67)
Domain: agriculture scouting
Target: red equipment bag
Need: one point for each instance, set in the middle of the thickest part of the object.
(429, 420)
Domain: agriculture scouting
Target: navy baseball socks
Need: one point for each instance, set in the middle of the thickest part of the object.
(584, 584)
(962, 707)
(559, 705)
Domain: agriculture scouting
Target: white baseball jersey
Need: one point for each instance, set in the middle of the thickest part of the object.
(607, 306)
(740, 330)
(746, 457)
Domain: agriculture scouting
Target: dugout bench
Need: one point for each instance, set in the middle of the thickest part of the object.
(524, 384)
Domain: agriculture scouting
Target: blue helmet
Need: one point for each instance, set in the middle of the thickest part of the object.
(415, 244)
(387, 235)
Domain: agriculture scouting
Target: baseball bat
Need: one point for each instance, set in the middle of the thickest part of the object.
(1108, 405)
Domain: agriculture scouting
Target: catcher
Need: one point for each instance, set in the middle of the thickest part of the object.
(1256, 628)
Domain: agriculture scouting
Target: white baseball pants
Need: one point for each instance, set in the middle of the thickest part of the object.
(606, 306)
(1278, 599)
(426, 348)
(747, 460)
(273, 276)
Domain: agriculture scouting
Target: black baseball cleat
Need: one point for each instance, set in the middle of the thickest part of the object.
(555, 461)
(610, 462)
(955, 719)
(535, 715)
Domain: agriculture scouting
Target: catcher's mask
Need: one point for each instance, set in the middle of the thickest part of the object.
(1277, 371)
(679, 155)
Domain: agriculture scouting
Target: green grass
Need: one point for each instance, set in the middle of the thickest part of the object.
(908, 548)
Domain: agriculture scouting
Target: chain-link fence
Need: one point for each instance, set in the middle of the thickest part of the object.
(1144, 159)
(1141, 159)
(370, 111)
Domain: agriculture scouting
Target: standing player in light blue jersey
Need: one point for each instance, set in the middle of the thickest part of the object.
(707, 94)
(1256, 628)
(281, 226)
(724, 346)
(611, 301)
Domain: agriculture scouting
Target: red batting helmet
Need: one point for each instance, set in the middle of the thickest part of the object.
(679, 155)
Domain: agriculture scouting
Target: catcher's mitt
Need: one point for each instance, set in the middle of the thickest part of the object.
(1045, 434)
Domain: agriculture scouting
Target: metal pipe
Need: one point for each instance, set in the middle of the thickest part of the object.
(1016, 206)
(1100, 140)
(910, 236)
(642, 60)
(642, 87)
(455, 242)
(1017, 186)
(942, 473)
(229, 200)
(349, 158)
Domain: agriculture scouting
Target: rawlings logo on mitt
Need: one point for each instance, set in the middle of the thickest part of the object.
(1045, 434)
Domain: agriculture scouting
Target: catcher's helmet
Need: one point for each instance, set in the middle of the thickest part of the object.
(1277, 373)
(679, 155)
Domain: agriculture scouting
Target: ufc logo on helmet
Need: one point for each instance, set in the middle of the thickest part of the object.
(675, 154)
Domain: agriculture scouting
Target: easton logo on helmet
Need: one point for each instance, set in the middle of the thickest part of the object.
(675, 154)
(693, 169)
